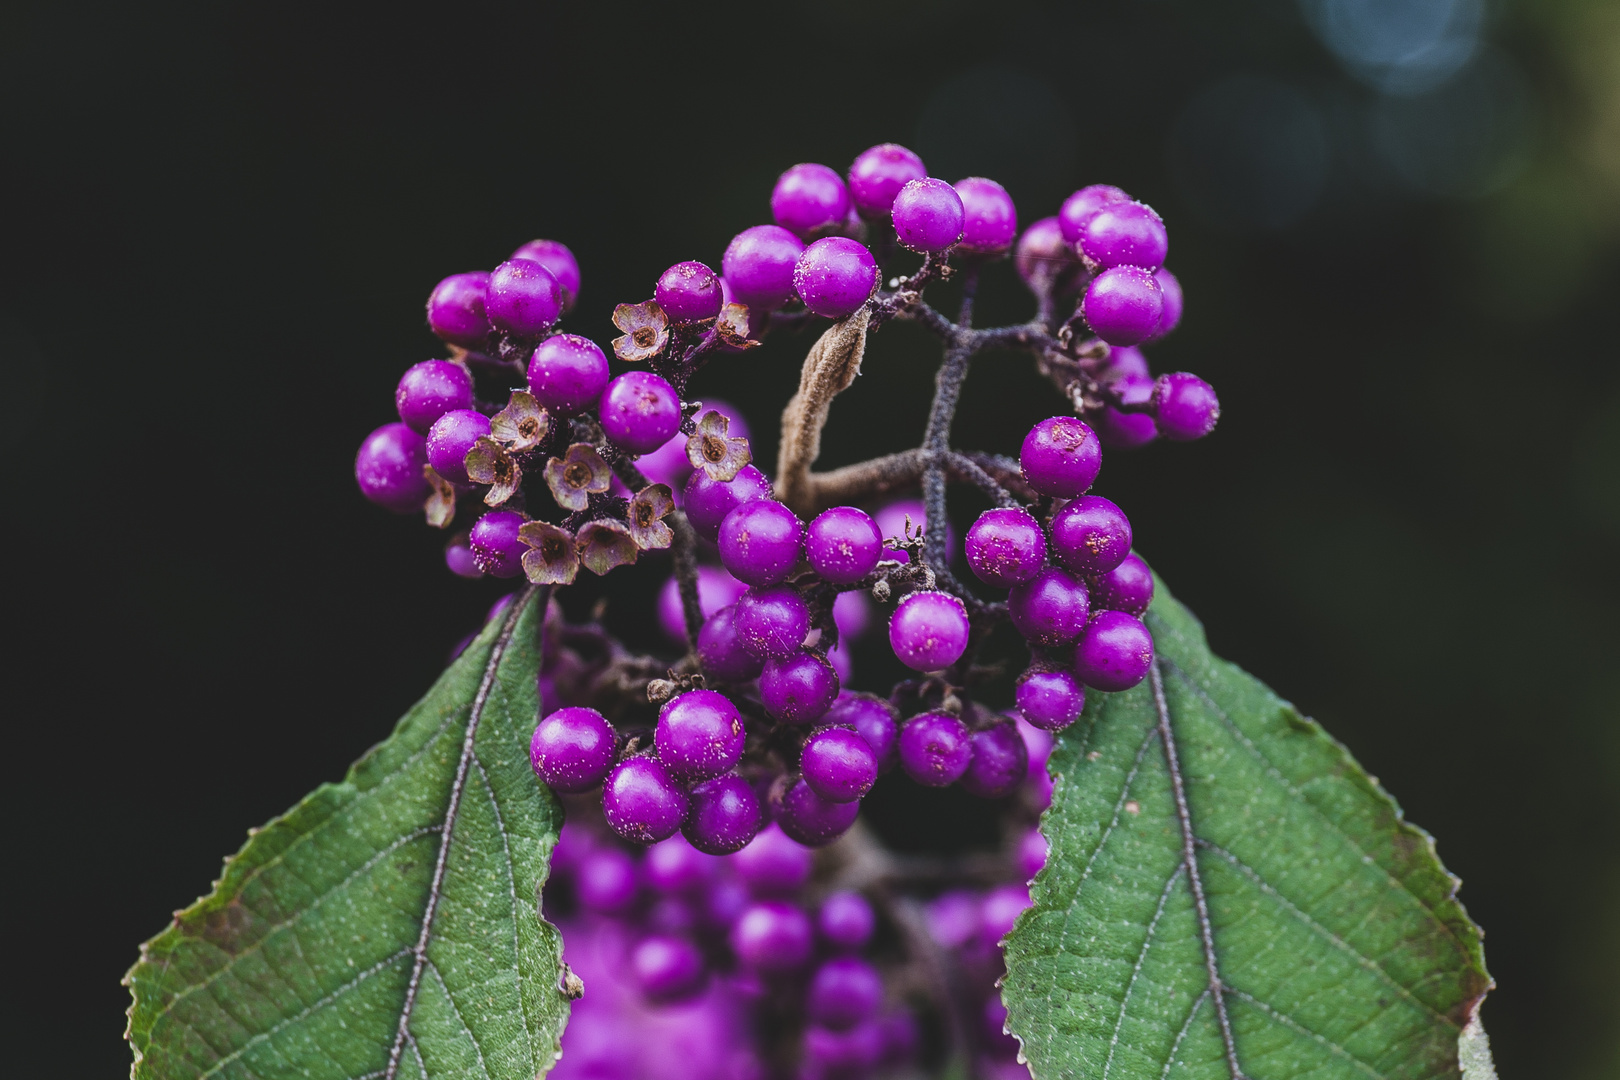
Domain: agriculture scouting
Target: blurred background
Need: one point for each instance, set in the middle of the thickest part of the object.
(1398, 227)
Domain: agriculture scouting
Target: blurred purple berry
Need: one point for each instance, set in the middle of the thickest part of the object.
(458, 557)
(798, 689)
(675, 866)
(875, 720)
(572, 749)
(846, 921)
(1002, 906)
(773, 863)
(772, 621)
(761, 541)
(707, 502)
(1091, 535)
(448, 441)
(1049, 700)
(928, 216)
(1032, 852)
(555, 256)
(568, 373)
(1006, 546)
(844, 991)
(843, 544)
(877, 176)
(810, 819)
(935, 749)
(429, 390)
(495, 544)
(1050, 608)
(716, 589)
(699, 735)
(1077, 208)
(1060, 456)
(1184, 406)
(523, 298)
(725, 815)
(667, 968)
(834, 276)
(1123, 305)
(772, 937)
(606, 880)
(640, 411)
(842, 1055)
(989, 219)
(641, 802)
(1170, 317)
(455, 309)
(809, 200)
(1115, 652)
(929, 630)
(999, 761)
(721, 653)
(758, 266)
(689, 292)
(388, 468)
(1042, 254)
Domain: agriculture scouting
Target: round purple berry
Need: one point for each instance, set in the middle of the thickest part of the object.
(707, 502)
(798, 689)
(773, 862)
(772, 936)
(667, 968)
(555, 256)
(1000, 761)
(458, 557)
(449, 439)
(715, 588)
(1077, 208)
(1171, 316)
(1005, 546)
(935, 749)
(843, 544)
(1125, 234)
(989, 219)
(1042, 254)
(761, 541)
(874, 718)
(929, 630)
(846, 921)
(852, 1052)
(725, 815)
(642, 802)
(1115, 652)
(640, 412)
(809, 200)
(495, 545)
(1091, 535)
(877, 176)
(772, 621)
(720, 650)
(758, 266)
(606, 881)
(1032, 852)
(455, 309)
(838, 764)
(834, 276)
(572, 749)
(1123, 305)
(699, 735)
(1125, 430)
(1050, 700)
(429, 390)
(675, 866)
(1128, 587)
(1060, 456)
(810, 819)
(523, 299)
(1001, 909)
(388, 468)
(1050, 608)
(568, 373)
(928, 216)
(1184, 406)
(689, 292)
(844, 991)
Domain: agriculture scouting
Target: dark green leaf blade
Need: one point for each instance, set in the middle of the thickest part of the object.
(300, 962)
(1341, 948)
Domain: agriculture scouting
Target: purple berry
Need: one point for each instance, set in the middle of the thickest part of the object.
(809, 200)
(699, 735)
(929, 630)
(834, 276)
(846, 921)
(989, 219)
(640, 412)
(495, 545)
(642, 802)
(1077, 208)
(1042, 254)
(773, 863)
(843, 544)
(1091, 535)
(810, 819)
(1032, 852)
(707, 502)
(523, 298)
(1050, 608)
(1049, 700)
(1115, 652)
(675, 866)
(1128, 587)
(1125, 234)
(720, 650)
(772, 621)
(798, 689)
(761, 541)
(715, 588)
(1127, 376)
(935, 749)
(555, 256)
(877, 176)
(1060, 456)
(689, 292)
(1123, 305)
(999, 763)
(1001, 909)
(455, 309)
(928, 216)
(725, 815)
(667, 968)
(448, 441)
(1005, 546)
(842, 1055)
(572, 749)
(429, 390)
(838, 764)
(458, 557)
(1184, 406)
(758, 266)
(874, 718)
(388, 468)
(844, 991)
(568, 373)
(772, 937)
(606, 881)
(1171, 316)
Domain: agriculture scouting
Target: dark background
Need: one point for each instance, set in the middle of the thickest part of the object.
(221, 223)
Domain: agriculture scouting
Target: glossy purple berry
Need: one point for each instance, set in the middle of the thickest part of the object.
(935, 749)
(725, 815)
(999, 762)
(640, 411)
(838, 764)
(928, 216)
(834, 276)
(877, 176)
(809, 200)
(1123, 305)
(388, 468)
(773, 863)
(772, 621)
(429, 390)
(666, 967)
(449, 439)
(1115, 652)
(642, 802)
(843, 544)
(1127, 377)
(458, 557)
(606, 881)
(1050, 608)
(495, 545)
(572, 749)
(772, 937)
(1042, 254)
(699, 735)
(1091, 535)
(1005, 546)
(876, 721)
(845, 921)
(1184, 406)
(844, 991)
(568, 373)
(555, 256)
(455, 309)
(1077, 208)
(524, 299)
(758, 266)
(798, 689)
(761, 541)
(1049, 700)
(720, 650)
(1170, 287)
(1125, 234)
(929, 630)
(810, 819)
(707, 502)
(1060, 456)
(1128, 587)
(989, 219)
(689, 292)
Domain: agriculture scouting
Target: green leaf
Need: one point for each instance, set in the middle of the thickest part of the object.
(1333, 945)
(387, 925)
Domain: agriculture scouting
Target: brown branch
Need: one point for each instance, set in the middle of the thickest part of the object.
(829, 368)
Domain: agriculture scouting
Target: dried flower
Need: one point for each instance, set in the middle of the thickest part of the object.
(489, 463)
(646, 331)
(576, 474)
(712, 449)
(604, 545)
(522, 424)
(441, 505)
(647, 511)
(732, 326)
(552, 558)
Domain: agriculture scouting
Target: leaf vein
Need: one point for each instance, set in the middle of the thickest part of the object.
(1289, 1022)
(1186, 1026)
(511, 885)
(1141, 956)
(471, 1037)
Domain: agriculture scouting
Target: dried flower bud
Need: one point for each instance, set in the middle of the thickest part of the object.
(661, 690)
(646, 331)
(441, 505)
(522, 424)
(881, 590)
(574, 476)
(552, 558)
(732, 327)
(712, 449)
(604, 545)
(489, 463)
(647, 510)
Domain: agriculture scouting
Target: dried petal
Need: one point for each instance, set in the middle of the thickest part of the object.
(441, 505)
(732, 326)
(646, 331)
(552, 558)
(522, 424)
(647, 511)
(714, 451)
(489, 463)
(576, 474)
(604, 545)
